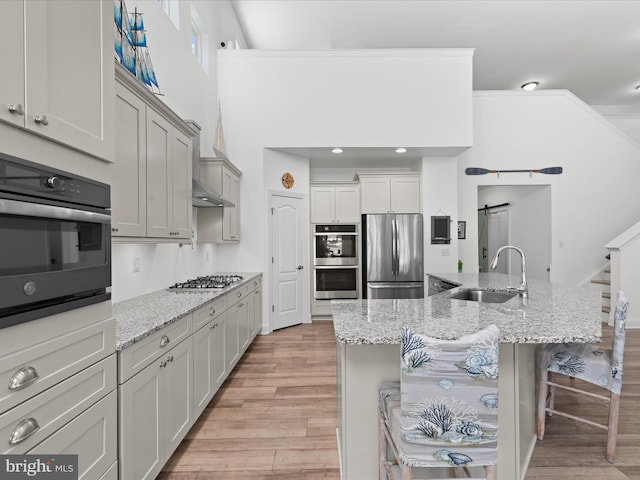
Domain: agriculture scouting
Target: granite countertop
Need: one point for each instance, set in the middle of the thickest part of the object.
(141, 316)
(552, 314)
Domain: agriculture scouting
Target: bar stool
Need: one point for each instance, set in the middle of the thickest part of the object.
(444, 411)
(589, 363)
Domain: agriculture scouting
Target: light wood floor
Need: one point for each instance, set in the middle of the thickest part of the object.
(275, 418)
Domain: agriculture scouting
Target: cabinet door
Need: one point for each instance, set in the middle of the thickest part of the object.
(69, 73)
(140, 425)
(245, 319)
(232, 337)
(208, 362)
(159, 170)
(375, 195)
(405, 194)
(12, 60)
(257, 311)
(347, 204)
(230, 215)
(181, 186)
(129, 186)
(323, 204)
(177, 391)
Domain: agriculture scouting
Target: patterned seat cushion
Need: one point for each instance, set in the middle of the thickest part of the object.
(444, 412)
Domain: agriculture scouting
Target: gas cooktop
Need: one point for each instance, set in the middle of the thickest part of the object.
(209, 282)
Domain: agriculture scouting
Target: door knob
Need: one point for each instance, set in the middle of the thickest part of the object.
(299, 267)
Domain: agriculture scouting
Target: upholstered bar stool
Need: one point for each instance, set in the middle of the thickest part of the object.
(444, 411)
(585, 363)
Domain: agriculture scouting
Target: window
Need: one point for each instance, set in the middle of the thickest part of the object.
(199, 40)
(172, 9)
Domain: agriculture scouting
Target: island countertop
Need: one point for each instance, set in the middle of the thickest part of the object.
(552, 314)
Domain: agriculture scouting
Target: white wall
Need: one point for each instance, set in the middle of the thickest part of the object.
(595, 198)
(191, 92)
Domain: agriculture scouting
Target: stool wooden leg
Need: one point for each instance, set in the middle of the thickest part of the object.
(543, 391)
(491, 471)
(612, 437)
(382, 448)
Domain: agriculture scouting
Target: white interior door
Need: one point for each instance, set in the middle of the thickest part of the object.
(498, 237)
(287, 254)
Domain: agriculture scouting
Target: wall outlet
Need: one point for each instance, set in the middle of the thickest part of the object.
(136, 264)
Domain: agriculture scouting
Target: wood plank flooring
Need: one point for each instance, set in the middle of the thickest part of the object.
(275, 418)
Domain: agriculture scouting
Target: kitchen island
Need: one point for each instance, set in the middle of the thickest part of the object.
(368, 338)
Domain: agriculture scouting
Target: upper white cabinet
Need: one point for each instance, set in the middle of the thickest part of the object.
(220, 224)
(151, 186)
(332, 203)
(390, 193)
(57, 81)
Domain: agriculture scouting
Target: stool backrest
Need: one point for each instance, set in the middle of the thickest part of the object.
(617, 350)
(449, 399)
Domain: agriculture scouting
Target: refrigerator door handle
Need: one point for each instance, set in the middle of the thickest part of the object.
(394, 248)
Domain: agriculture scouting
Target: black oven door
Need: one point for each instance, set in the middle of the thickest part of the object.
(335, 282)
(52, 259)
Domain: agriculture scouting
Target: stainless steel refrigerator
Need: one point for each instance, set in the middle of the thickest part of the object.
(392, 247)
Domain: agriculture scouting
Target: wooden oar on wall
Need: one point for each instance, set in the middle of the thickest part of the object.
(484, 171)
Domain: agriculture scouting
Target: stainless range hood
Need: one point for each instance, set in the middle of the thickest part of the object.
(201, 195)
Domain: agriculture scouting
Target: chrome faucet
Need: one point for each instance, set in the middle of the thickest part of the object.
(523, 289)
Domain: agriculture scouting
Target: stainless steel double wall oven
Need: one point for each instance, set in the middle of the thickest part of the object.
(335, 260)
(55, 233)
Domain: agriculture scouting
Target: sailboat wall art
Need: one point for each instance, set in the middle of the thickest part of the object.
(130, 44)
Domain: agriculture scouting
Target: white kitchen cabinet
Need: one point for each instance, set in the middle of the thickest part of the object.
(220, 224)
(92, 436)
(209, 368)
(331, 203)
(255, 308)
(390, 193)
(57, 81)
(156, 412)
(151, 188)
(129, 190)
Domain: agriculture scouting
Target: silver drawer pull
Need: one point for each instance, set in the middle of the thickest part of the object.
(214, 326)
(212, 311)
(164, 341)
(23, 378)
(170, 358)
(16, 109)
(23, 430)
(239, 294)
(41, 120)
(163, 364)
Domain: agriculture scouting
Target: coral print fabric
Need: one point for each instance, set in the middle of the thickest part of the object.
(445, 411)
(600, 366)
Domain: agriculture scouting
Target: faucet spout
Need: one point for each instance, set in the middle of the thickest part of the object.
(523, 289)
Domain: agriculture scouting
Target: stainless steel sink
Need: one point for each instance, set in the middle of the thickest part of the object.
(483, 295)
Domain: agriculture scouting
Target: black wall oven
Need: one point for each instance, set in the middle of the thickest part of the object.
(335, 282)
(55, 238)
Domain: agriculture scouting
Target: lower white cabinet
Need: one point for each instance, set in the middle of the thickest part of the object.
(156, 412)
(92, 436)
(209, 367)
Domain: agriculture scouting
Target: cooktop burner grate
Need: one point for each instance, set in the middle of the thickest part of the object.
(208, 282)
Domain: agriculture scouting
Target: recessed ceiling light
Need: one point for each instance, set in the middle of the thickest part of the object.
(529, 86)
(401, 150)
(337, 150)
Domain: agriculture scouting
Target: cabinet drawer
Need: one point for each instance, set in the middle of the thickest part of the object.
(203, 315)
(56, 407)
(92, 436)
(236, 295)
(254, 283)
(38, 366)
(140, 354)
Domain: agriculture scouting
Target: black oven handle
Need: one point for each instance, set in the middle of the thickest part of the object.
(15, 207)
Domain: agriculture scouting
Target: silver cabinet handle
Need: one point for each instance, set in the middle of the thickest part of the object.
(23, 378)
(16, 109)
(213, 325)
(115, 229)
(170, 358)
(163, 364)
(23, 430)
(212, 311)
(41, 120)
(299, 267)
(239, 294)
(164, 341)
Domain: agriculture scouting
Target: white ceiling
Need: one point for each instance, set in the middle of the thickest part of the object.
(590, 47)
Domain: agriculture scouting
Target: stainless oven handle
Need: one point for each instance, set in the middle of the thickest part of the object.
(335, 234)
(14, 207)
(334, 267)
